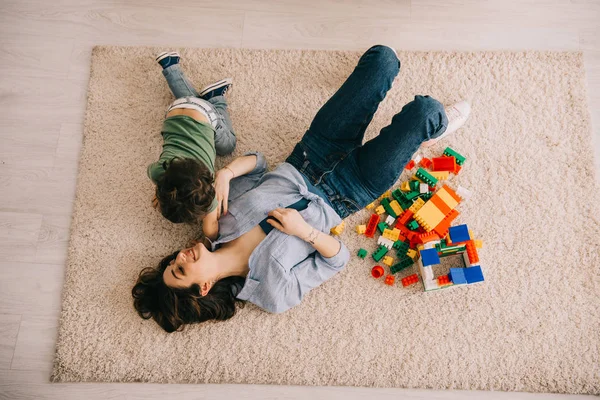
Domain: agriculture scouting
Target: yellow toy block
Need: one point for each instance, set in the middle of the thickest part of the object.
(396, 207)
(446, 197)
(411, 253)
(386, 194)
(440, 175)
(387, 260)
(337, 230)
(478, 244)
(429, 216)
(388, 234)
(370, 206)
(380, 210)
(420, 247)
(395, 234)
(405, 187)
(416, 206)
(360, 229)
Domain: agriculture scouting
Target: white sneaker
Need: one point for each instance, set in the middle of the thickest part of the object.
(457, 116)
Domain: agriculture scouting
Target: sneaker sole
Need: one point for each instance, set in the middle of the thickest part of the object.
(216, 85)
(166, 54)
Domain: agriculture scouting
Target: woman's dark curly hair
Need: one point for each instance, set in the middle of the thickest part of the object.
(172, 308)
(185, 191)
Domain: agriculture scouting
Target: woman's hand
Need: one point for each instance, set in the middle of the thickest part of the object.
(222, 179)
(290, 222)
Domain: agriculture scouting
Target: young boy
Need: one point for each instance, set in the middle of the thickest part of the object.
(197, 127)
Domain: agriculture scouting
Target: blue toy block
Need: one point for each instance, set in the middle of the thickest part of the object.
(473, 274)
(457, 275)
(459, 233)
(429, 257)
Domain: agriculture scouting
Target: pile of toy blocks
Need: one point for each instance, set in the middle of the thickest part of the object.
(417, 226)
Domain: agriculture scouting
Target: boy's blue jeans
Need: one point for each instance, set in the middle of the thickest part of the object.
(331, 154)
(225, 139)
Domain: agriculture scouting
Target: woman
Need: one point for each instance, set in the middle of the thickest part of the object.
(328, 176)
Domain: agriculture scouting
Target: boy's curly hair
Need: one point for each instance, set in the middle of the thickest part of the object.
(185, 191)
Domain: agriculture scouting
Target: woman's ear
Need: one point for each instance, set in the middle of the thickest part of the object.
(205, 288)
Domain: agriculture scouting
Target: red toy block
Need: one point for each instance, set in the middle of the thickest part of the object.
(472, 252)
(410, 280)
(456, 169)
(377, 271)
(410, 165)
(428, 237)
(372, 226)
(404, 218)
(443, 280)
(443, 164)
(389, 280)
(425, 162)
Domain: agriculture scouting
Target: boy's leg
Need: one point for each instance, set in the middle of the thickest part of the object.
(373, 168)
(340, 124)
(178, 83)
(225, 139)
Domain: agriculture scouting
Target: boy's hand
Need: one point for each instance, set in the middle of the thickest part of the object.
(289, 221)
(222, 179)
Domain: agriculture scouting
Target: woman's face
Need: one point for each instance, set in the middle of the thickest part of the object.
(187, 269)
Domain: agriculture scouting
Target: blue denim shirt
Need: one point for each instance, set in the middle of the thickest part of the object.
(283, 268)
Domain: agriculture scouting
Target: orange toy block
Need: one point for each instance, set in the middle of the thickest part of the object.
(389, 280)
(436, 209)
(444, 280)
(428, 237)
(425, 162)
(404, 218)
(410, 280)
(410, 165)
(442, 228)
(472, 252)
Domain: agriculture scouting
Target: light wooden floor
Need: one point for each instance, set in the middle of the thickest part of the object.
(44, 67)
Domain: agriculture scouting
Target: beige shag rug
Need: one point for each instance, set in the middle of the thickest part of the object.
(534, 325)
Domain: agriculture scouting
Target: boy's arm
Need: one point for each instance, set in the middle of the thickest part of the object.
(210, 225)
(240, 166)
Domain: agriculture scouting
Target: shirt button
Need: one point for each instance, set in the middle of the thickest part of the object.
(279, 204)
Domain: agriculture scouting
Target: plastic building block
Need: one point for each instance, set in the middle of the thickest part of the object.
(404, 218)
(414, 185)
(473, 274)
(405, 187)
(384, 195)
(370, 206)
(423, 188)
(389, 280)
(418, 203)
(478, 244)
(379, 253)
(472, 252)
(457, 275)
(411, 253)
(410, 280)
(380, 210)
(412, 225)
(387, 260)
(429, 257)
(428, 237)
(396, 207)
(443, 164)
(463, 193)
(451, 153)
(388, 208)
(385, 242)
(417, 159)
(382, 226)
(459, 233)
(402, 247)
(402, 264)
(425, 162)
(440, 175)
(444, 280)
(430, 284)
(412, 195)
(362, 253)
(360, 229)
(410, 165)
(457, 169)
(377, 271)
(442, 228)
(436, 209)
(389, 221)
(372, 225)
(425, 177)
(337, 230)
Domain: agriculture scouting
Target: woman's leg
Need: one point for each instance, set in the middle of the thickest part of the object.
(225, 139)
(340, 124)
(178, 83)
(373, 168)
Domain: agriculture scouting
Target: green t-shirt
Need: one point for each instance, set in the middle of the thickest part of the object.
(184, 137)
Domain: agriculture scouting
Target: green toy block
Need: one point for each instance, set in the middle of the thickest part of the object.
(426, 177)
(362, 253)
(414, 185)
(426, 196)
(381, 226)
(402, 264)
(451, 153)
(411, 195)
(401, 246)
(398, 196)
(379, 253)
(412, 225)
(388, 209)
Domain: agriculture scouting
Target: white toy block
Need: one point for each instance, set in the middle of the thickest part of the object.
(417, 158)
(430, 245)
(423, 188)
(463, 193)
(385, 242)
(390, 220)
(428, 273)
(430, 284)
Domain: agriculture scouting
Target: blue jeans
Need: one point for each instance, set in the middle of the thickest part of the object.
(331, 154)
(225, 139)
